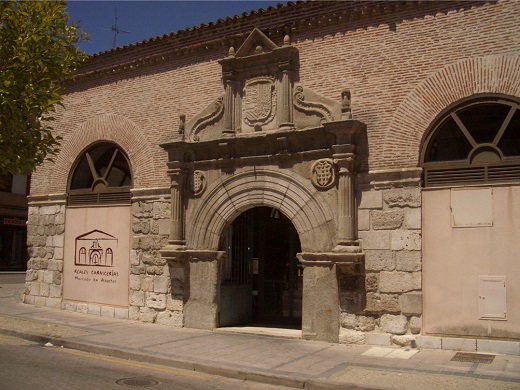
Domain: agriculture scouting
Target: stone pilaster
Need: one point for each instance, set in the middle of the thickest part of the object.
(231, 114)
(177, 189)
(344, 157)
(285, 106)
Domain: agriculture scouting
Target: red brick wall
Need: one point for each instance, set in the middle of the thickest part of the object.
(402, 66)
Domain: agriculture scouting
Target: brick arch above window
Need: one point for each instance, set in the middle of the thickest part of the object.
(455, 82)
(111, 128)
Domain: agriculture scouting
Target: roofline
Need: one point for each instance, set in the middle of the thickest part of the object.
(232, 31)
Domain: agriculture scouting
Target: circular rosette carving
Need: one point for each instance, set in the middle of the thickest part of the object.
(323, 174)
(197, 184)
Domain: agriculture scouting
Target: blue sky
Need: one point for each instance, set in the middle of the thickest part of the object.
(147, 19)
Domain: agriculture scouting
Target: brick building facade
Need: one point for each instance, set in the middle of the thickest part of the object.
(308, 165)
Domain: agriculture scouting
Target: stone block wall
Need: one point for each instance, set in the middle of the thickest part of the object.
(389, 224)
(153, 296)
(45, 240)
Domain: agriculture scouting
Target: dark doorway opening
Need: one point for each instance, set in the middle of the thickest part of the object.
(261, 278)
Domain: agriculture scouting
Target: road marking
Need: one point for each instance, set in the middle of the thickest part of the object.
(131, 364)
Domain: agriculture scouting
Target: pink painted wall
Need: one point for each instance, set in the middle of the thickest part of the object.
(454, 257)
(97, 255)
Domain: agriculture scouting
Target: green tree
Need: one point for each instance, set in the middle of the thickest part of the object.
(38, 54)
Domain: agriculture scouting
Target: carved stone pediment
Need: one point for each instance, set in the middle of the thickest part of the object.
(256, 43)
(261, 95)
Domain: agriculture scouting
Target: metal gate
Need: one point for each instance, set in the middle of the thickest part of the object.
(236, 291)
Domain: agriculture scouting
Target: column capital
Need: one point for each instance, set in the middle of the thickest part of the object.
(345, 158)
(176, 175)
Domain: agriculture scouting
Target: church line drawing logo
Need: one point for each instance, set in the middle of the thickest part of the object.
(95, 248)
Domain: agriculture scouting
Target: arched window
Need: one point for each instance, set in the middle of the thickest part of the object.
(101, 175)
(477, 141)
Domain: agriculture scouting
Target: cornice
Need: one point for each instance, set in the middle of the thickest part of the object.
(275, 22)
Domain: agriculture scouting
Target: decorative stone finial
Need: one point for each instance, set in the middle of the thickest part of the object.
(346, 108)
(182, 123)
(231, 51)
(286, 40)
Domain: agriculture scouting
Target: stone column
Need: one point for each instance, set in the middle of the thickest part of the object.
(344, 157)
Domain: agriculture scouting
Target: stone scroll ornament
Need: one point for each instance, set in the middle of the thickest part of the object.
(311, 107)
(197, 183)
(323, 174)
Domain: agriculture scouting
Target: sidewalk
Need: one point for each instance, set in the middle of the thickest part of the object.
(271, 360)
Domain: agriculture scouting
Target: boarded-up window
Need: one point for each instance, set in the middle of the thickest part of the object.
(471, 207)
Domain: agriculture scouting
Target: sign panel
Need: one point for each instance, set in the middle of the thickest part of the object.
(97, 255)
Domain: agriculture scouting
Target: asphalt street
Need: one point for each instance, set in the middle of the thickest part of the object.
(29, 365)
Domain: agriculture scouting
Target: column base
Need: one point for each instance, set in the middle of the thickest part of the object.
(347, 247)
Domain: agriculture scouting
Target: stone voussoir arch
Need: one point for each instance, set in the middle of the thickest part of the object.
(109, 127)
(285, 191)
(494, 74)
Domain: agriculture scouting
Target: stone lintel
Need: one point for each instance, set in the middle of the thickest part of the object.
(176, 255)
(327, 259)
(150, 193)
(389, 178)
(47, 199)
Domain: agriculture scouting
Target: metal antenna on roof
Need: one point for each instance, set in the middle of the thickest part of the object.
(116, 30)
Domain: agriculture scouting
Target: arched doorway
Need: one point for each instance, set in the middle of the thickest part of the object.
(261, 278)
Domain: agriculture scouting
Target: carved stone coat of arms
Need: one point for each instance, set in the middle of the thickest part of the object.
(259, 104)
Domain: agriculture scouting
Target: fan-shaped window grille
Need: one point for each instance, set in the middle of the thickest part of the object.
(476, 142)
(101, 175)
